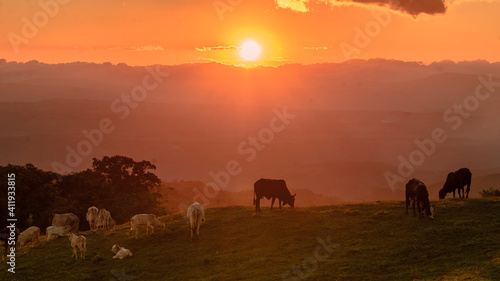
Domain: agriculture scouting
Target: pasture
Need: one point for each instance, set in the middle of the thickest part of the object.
(376, 241)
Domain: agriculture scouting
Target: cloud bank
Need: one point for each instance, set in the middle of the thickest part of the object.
(411, 7)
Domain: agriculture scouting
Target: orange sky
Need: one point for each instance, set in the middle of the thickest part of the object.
(180, 31)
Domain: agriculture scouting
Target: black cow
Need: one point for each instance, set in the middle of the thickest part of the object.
(457, 180)
(272, 189)
(417, 192)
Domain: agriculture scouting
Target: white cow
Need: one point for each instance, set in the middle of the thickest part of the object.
(92, 214)
(104, 219)
(112, 223)
(196, 216)
(30, 234)
(120, 252)
(66, 219)
(149, 220)
(57, 230)
(80, 242)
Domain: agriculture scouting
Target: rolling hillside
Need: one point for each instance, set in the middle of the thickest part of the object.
(378, 243)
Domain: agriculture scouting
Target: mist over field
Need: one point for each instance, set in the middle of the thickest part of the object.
(342, 130)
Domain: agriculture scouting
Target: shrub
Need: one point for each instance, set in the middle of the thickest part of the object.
(490, 193)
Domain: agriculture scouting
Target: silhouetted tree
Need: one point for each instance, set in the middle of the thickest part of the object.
(132, 187)
(37, 193)
(119, 184)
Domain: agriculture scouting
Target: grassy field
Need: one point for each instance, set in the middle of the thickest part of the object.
(376, 242)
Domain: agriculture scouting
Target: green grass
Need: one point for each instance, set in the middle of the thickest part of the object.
(378, 243)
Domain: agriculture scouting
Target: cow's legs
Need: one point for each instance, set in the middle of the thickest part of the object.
(413, 205)
(407, 204)
(468, 189)
(257, 204)
(453, 193)
(279, 202)
(419, 210)
(272, 202)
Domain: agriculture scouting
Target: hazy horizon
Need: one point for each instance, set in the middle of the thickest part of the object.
(348, 126)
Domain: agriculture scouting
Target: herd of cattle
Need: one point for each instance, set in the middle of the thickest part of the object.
(67, 224)
(416, 192)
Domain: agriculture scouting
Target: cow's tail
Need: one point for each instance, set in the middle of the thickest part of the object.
(469, 176)
(196, 214)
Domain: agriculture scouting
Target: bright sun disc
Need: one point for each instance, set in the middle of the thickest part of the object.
(250, 50)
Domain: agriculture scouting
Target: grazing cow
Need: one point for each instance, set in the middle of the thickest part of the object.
(457, 180)
(120, 252)
(149, 220)
(66, 219)
(272, 189)
(30, 234)
(104, 219)
(9, 238)
(57, 230)
(92, 214)
(196, 216)
(417, 193)
(80, 242)
(112, 223)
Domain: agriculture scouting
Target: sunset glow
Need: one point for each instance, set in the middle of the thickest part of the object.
(315, 137)
(150, 32)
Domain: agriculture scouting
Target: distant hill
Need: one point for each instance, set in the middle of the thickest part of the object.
(187, 192)
(375, 241)
(353, 121)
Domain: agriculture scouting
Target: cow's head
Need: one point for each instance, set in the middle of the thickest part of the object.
(429, 212)
(442, 193)
(290, 201)
(115, 248)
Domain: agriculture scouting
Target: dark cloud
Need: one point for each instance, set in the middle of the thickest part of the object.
(412, 7)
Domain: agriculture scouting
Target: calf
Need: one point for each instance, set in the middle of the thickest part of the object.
(80, 242)
(120, 252)
(149, 220)
(417, 193)
(57, 230)
(30, 234)
(196, 216)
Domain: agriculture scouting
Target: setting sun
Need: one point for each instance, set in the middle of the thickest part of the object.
(250, 50)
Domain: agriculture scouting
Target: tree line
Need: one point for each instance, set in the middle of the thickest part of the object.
(119, 184)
